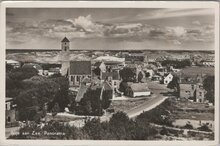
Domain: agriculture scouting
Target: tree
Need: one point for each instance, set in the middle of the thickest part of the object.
(94, 129)
(55, 109)
(62, 97)
(118, 125)
(140, 77)
(123, 86)
(127, 74)
(209, 86)
(174, 84)
(22, 73)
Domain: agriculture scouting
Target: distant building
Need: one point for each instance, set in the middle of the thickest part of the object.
(156, 78)
(208, 63)
(10, 111)
(162, 71)
(113, 79)
(13, 63)
(168, 78)
(192, 88)
(79, 70)
(137, 90)
(138, 57)
(53, 71)
(35, 66)
(111, 62)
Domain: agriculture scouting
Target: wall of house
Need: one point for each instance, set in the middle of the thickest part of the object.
(168, 79)
(10, 116)
(200, 95)
(186, 90)
(137, 94)
(75, 80)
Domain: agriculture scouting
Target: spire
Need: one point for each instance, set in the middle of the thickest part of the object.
(65, 40)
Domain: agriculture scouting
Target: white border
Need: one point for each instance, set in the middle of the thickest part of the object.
(106, 4)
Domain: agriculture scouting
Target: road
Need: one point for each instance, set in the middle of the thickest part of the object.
(156, 99)
(150, 104)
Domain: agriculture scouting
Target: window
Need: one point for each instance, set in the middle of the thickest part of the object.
(78, 78)
(8, 119)
(71, 78)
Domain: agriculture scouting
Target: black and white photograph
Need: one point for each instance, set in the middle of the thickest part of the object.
(111, 73)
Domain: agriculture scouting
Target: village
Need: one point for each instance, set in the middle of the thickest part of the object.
(100, 84)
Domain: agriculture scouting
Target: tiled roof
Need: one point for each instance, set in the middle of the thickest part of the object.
(138, 87)
(65, 40)
(80, 68)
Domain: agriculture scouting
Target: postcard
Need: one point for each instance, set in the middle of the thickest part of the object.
(109, 73)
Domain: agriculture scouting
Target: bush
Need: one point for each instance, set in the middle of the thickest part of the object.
(204, 128)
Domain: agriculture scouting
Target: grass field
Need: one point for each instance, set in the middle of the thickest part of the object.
(198, 70)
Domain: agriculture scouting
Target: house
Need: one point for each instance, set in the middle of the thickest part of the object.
(156, 78)
(208, 63)
(79, 70)
(53, 71)
(162, 71)
(113, 78)
(99, 67)
(10, 111)
(137, 90)
(200, 93)
(105, 88)
(167, 78)
(192, 88)
(35, 66)
(111, 62)
(13, 63)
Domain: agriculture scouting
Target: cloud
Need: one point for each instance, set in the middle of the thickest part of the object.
(168, 13)
(176, 31)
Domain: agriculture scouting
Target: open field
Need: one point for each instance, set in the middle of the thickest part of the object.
(198, 70)
(125, 105)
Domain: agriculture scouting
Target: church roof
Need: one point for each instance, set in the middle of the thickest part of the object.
(80, 68)
(65, 40)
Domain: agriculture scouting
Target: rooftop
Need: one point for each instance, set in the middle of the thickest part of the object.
(65, 40)
(80, 68)
(138, 87)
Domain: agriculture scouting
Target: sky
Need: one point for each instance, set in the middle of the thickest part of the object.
(110, 28)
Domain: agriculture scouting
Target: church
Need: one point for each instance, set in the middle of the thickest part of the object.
(75, 70)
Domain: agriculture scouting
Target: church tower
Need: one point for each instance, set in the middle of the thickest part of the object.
(65, 45)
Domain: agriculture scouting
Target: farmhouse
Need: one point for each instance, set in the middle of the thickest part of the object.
(137, 90)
